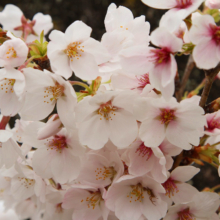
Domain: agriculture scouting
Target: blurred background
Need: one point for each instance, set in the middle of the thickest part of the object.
(92, 12)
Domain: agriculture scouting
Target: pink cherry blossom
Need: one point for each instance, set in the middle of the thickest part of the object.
(179, 10)
(212, 4)
(205, 35)
(177, 190)
(87, 203)
(160, 63)
(44, 91)
(213, 123)
(181, 123)
(203, 206)
(13, 20)
(13, 52)
(101, 169)
(12, 88)
(70, 51)
(130, 197)
(59, 155)
(107, 116)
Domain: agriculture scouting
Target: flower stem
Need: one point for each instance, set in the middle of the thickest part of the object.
(80, 84)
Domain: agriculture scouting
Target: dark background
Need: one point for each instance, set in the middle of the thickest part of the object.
(92, 12)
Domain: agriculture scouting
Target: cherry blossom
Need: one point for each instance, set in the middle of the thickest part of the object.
(181, 123)
(212, 4)
(107, 116)
(44, 91)
(130, 197)
(205, 35)
(177, 190)
(13, 20)
(202, 206)
(60, 153)
(160, 63)
(87, 203)
(179, 10)
(70, 51)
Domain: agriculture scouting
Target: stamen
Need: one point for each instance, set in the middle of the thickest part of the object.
(11, 53)
(185, 215)
(107, 111)
(105, 172)
(144, 151)
(93, 200)
(160, 56)
(58, 143)
(143, 80)
(74, 50)
(53, 93)
(166, 116)
(170, 187)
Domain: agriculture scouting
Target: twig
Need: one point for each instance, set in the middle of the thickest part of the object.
(189, 67)
(210, 77)
(4, 122)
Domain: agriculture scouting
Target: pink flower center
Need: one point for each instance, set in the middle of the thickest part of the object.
(58, 143)
(215, 33)
(170, 187)
(7, 85)
(94, 199)
(166, 116)
(214, 123)
(144, 151)
(107, 110)
(74, 50)
(105, 172)
(183, 3)
(185, 215)
(53, 93)
(143, 80)
(161, 56)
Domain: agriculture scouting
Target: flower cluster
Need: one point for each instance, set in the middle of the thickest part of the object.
(124, 147)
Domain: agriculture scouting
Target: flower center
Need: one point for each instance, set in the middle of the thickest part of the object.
(214, 123)
(26, 182)
(185, 215)
(143, 80)
(170, 187)
(166, 116)
(11, 53)
(144, 151)
(183, 3)
(94, 199)
(53, 92)
(58, 143)
(215, 32)
(74, 50)
(7, 85)
(105, 172)
(136, 194)
(160, 56)
(106, 110)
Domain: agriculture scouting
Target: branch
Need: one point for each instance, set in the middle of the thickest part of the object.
(4, 122)
(189, 67)
(210, 77)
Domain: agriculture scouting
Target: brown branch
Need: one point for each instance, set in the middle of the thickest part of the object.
(189, 67)
(4, 122)
(210, 77)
